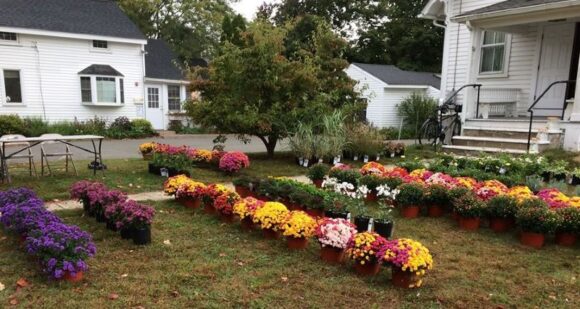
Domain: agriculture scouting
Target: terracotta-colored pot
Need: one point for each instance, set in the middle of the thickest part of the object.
(566, 239)
(455, 216)
(317, 213)
(292, 206)
(368, 269)
(297, 243)
(242, 191)
(469, 224)
(410, 212)
(181, 200)
(227, 218)
(76, 278)
(247, 224)
(500, 225)
(147, 156)
(404, 279)
(270, 234)
(535, 240)
(371, 197)
(435, 211)
(192, 203)
(209, 209)
(318, 183)
(332, 255)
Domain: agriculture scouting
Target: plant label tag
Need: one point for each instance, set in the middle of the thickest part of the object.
(366, 159)
(392, 155)
(338, 159)
(305, 163)
(502, 170)
(320, 160)
(355, 158)
(348, 216)
(301, 161)
(378, 158)
(370, 225)
(335, 160)
(164, 172)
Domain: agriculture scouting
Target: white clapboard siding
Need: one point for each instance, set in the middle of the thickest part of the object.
(383, 100)
(54, 69)
(459, 49)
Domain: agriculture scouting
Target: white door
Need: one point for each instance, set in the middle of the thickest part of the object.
(555, 60)
(155, 107)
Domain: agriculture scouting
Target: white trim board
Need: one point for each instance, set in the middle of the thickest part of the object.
(72, 35)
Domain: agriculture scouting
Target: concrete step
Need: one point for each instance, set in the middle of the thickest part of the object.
(509, 133)
(513, 123)
(166, 133)
(496, 142)
(474, 150)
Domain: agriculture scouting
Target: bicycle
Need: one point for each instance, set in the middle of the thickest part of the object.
(433, 132)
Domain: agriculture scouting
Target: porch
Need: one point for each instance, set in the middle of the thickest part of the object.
(525, 63)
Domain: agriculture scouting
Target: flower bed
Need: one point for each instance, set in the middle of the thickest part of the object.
(131, 219)
(61, 250)
(168, 160)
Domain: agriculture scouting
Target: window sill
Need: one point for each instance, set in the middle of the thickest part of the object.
(493, 75)
(13, 104)
(103, 104)
(100, 51)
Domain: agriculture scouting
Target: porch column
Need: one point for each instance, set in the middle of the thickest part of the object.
(572, 133)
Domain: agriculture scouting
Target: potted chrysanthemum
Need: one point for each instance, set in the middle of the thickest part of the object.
(501, 211)
(245, 210)
(437, 199)
(224, 204)
(138, 219)
(212, 192)
(270, 217)
(190, 194)
(317, 173)
(536, 221)
(298, 227)
(409, 261)
(333, 236)
(568, 227)
(470, 209)
(410, 196)
(147, 150)
(362, 248)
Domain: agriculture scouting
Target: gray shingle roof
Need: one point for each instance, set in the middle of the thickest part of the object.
(392, 75)
(95, 17)
(100, 69)
(507, 5)
(160, 61)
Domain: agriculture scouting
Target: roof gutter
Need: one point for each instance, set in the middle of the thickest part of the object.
(514, 11)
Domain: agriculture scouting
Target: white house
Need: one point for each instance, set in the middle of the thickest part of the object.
(525, 55)
(80, 59)
(386, 86)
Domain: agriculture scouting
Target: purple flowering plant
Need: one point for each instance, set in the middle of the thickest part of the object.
(15, 196)
(101, 198)
(80, 189)
(136, 215)
(61, 248)
(26, 216)
(232, 162)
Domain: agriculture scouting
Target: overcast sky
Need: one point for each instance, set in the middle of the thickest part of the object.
(248, 8)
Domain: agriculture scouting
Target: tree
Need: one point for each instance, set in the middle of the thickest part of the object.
(232, 29)
(191, 27)
(259, 88)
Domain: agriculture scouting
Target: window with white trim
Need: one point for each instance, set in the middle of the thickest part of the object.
(102, 90)
(494, 48)
(100, 44)
(8, 36)
(12, 86)
(174, 97)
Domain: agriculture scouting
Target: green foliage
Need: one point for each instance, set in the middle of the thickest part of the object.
(469, 206)
(350, 176)
(456, 193)
(568, 220)
(258, 90)
(502, 206)
(534, 216)
(11, 124)
(392, 133)
(410, 195)
(437, 195)
(36, 126)
(415, 109)
(232, 29)
(371, 181)
(364, 139)
(318, 171)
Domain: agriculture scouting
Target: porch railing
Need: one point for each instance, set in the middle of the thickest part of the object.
(538, 99)
(453, 95)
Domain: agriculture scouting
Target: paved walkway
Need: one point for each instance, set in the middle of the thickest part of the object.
(145, 196)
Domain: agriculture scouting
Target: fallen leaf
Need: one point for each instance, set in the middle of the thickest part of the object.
(22, 283)
(56, 200)
(131, 185)
(3, 238)
(174, 293)
(167, 242)
(124, 275)
(2, 287)
(14, 301)
(553, 297)
(284, 279)
(241, 263)
(113, 296)
(222, 254)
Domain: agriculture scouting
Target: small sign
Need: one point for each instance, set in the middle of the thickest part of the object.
(366, 159)
(378, 158)
(164, 172)
(305, 163)
(320, 160)
(355, 158)
(301, 161)
(339, 158)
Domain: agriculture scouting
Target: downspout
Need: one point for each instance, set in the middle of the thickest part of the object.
(436, 24)
(457, 47)
(143, 72)
(35, 46)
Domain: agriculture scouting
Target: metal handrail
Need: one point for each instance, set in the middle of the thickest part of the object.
(538, 99)
(454, 94)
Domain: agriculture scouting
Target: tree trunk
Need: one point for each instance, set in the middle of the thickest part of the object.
(270, 143)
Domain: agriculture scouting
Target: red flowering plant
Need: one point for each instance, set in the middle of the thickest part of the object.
(490, 188)
(245, 208)
(364, 247)
(373, 168)
(568, 220)
(232, 162)
(225, 202)
(396, 172)
(554, 198)
(191, 189)
(535, 216)
(212, 192)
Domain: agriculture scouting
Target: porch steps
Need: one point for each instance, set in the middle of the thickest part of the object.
(473, 150)
(166, 133)
(496, 142)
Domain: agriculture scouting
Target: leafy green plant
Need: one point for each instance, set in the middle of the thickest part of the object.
(350, 176)
(36, 126)
(534, 182)
(410, 195)
(318, 171)
(437, 195)
(415, 109)
(568, 220)
(12, 124)
(534, 216)
(502, 206)
(469, 206)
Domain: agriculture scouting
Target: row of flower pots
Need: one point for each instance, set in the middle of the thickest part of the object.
(128, 217)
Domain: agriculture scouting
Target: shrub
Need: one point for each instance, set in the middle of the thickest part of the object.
(35, 126)
(415, 109)
(502, 206)
(410, 195)
(349, 176)
(12, 124)
(318, 171)
(142, 128)
(534, 216)
(121, 123)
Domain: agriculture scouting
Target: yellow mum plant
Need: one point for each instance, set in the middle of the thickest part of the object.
(146, 148)
(246, 208)
(271, 215)
(172, 184)
(299, 224)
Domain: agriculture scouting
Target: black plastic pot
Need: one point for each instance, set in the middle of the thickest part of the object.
(86, 206)
(362, 223)
(154, 169)
(384, 229)
(559, 177)
(111, 226)
(546, 176)
(101, 218)
(336, 214)
(142, 236)
(126, 233)
(575, 181)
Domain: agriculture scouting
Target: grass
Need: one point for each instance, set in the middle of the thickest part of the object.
(131, 176)
(214, 265)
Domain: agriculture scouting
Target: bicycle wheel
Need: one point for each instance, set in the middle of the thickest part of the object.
(455, 128)
(428, 135)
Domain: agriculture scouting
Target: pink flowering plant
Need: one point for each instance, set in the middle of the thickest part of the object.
(135, 215)
(232, 162)
(442, 180)
(335, 232)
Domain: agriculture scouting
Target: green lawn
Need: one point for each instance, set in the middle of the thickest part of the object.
(131, 176)
(209, 264)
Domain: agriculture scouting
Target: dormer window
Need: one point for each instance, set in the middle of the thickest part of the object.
(8, 36)
(100, 44)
